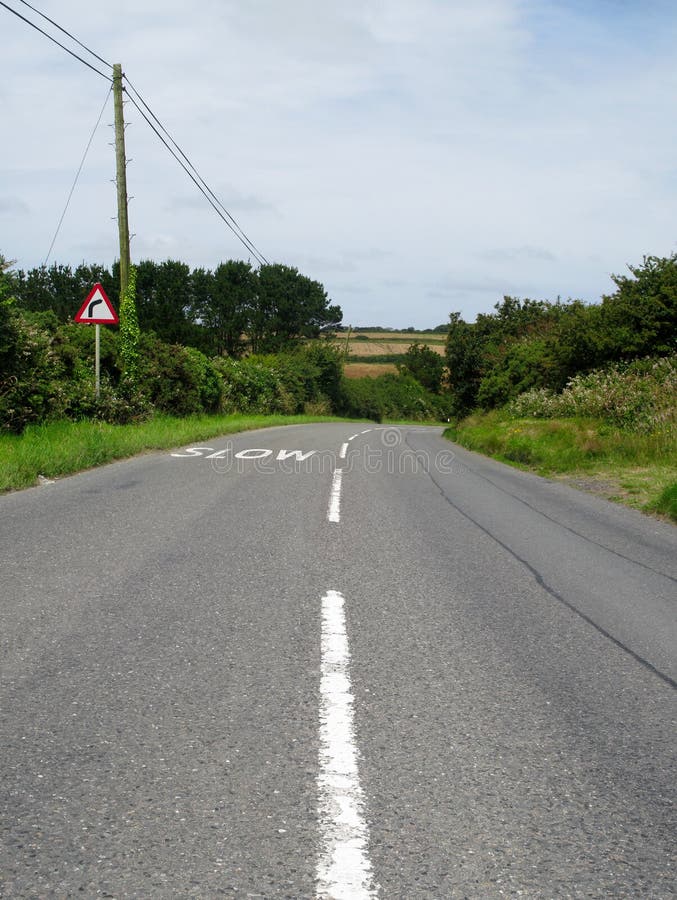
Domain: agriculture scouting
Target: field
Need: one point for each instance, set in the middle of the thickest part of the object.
(368, 369)
(373, 353)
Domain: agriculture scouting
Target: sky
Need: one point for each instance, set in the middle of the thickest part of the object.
(417, 157)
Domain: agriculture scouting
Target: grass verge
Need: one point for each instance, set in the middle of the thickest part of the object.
(62, 448)
(666, 502)
(639, 470)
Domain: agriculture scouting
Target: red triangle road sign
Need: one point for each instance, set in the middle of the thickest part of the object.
(97, 309)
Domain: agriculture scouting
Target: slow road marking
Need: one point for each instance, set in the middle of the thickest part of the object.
(251, 453)
(343, 869)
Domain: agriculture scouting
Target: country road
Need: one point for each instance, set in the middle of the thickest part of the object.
(337, 660)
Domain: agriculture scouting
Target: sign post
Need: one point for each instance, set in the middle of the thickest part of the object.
(97, 310)
(97, 359)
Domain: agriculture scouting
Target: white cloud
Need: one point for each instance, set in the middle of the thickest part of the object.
(457, 151)
(12, 206)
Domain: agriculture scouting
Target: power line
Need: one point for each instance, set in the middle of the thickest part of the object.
(196, 177)
(54, 40)
(67, 33)
(244, 240)
(77, 176)
(155, 124)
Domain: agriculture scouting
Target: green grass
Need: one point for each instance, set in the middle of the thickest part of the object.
(62, 448)
(666, 502)
(639, 470)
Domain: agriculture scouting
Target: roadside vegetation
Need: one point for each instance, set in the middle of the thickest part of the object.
(584, 392)
(55, 449)
(611, 430)
(196, 355)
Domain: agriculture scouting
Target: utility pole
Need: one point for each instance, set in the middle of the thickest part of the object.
(121, 176)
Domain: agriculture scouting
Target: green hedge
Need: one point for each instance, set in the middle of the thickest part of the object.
(391, 397)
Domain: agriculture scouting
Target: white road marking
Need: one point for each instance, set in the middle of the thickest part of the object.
(254, 453)
(250, 453)
(344, 450)
(366, 431)
(299, 455)
(192, 451)
(352, 437)
(343, 870)
(334, 512)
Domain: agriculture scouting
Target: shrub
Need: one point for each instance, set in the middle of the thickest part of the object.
(30, 389)
(324, 364)
(392, 397)
(253, 385)
(638, 397)
(286, 383)
(178, 380)
(423, 364)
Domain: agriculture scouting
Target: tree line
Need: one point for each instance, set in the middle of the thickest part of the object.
(253, 326)
(527, 344)
(236, 339)
(231, 310)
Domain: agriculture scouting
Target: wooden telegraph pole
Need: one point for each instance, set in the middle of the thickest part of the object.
(121, 175)
(89, 314)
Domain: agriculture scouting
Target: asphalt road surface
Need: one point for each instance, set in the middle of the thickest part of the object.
(334, 661)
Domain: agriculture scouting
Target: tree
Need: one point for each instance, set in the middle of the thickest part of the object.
(59, 289)
(464, 361)
(426, 366)
(641, 316)
(288, 307)
(164, 301)
(223, 302)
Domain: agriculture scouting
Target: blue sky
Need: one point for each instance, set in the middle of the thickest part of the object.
(415, 157)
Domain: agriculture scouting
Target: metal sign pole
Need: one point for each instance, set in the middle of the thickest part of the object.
(97, 310)
(97, 358)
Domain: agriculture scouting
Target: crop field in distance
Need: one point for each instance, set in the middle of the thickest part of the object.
(373, 353)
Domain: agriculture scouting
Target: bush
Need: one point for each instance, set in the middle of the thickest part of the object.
(638, 397)
(426, 366)
(286, 383)
(525, 365)
(178, 380)
(73, 346)
(391, 397)
(30, 388)
(361, 399)
(253, 385)
(324, 364)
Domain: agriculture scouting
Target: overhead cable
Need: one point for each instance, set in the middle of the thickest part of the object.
(77, 176)
(54, 40)
(67, 33)
(196, 177)
(244, 240)
(155, 124)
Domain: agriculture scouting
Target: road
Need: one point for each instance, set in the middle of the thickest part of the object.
(334, 661)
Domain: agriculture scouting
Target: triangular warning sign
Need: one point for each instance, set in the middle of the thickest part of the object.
(97, 309)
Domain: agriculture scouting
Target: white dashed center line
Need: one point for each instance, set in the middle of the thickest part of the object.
(343, 871)
(334, 512)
